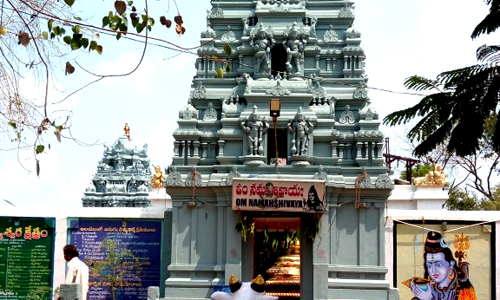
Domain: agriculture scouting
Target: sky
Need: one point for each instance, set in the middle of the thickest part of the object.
(400, 39)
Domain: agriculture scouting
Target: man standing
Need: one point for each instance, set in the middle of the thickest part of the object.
(77, 271)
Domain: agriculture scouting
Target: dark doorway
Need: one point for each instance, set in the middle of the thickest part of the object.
(278, 60)
(276, 256)
(281, 137)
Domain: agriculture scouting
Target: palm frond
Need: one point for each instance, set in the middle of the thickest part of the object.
(419, 83)
(426, 105)
(489, 24)
(457, 76)
(433, 140)
(488, 53)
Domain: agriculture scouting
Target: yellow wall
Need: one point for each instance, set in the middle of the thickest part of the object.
(410, 248)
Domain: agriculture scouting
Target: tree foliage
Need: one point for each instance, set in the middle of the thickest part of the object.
(37, 38)
(419, 170)
(118, 263)
(466, 98)
(462, 199)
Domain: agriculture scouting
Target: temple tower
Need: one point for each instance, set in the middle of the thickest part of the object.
(123, 176)
(291, 111)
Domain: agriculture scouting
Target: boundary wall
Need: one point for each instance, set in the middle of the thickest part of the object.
(61, 216)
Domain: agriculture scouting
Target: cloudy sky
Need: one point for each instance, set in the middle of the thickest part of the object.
(400, 39)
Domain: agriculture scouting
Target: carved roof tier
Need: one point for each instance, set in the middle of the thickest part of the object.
(308, 55)
(122, 177)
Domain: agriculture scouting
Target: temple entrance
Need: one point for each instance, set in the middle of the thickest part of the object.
(276, 256)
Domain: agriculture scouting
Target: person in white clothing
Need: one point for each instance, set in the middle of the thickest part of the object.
(76, 271)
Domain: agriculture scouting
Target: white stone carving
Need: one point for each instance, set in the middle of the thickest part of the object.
(346, 12)
(228, 36)
(199, 91)
(347, 116)
(331, 35)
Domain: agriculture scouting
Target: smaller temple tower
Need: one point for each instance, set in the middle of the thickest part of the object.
(123, 176)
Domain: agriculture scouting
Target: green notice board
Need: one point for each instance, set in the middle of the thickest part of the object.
(26, 257)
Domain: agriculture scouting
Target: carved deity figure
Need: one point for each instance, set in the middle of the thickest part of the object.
(255, 129)
(312, 29)
(300, 127)
(294, 48)
(209, 33)
(210, 113)
(245, 22)
(433, 178)
(157, 180)
(261, 41)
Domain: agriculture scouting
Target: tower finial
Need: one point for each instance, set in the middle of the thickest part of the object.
(127, 131)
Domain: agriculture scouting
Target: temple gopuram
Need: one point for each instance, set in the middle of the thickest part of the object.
(278, 167)
(123, 176)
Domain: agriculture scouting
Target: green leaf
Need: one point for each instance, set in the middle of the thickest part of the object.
(135, 21)
(78, 18)
(118, 36)
(13, 124)
(56, 30)
(76, 29)
(228, 50)
(220, 73)
(228, 68)
(134, 9)
(49, 24)
(69, 2)
(67, 39)
(105, 21)
(45, 35)
(123, 28)
(93, 45)
(84, 42)
(77, 37)
(39, 149)
(140, 27)
(75, 45)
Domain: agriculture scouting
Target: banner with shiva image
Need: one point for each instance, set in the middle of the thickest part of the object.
(449, 260)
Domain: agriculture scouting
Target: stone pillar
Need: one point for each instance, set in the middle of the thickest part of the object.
(359, 147)
(176, 148)
(204, 150)
(189, 153)
(334, 148)
(213, 149)
(328, 63)
(349, 151)
(317, 62)
(341, 152)
(221, 147)
(334, 64)
(379, 150)
(196, 147)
